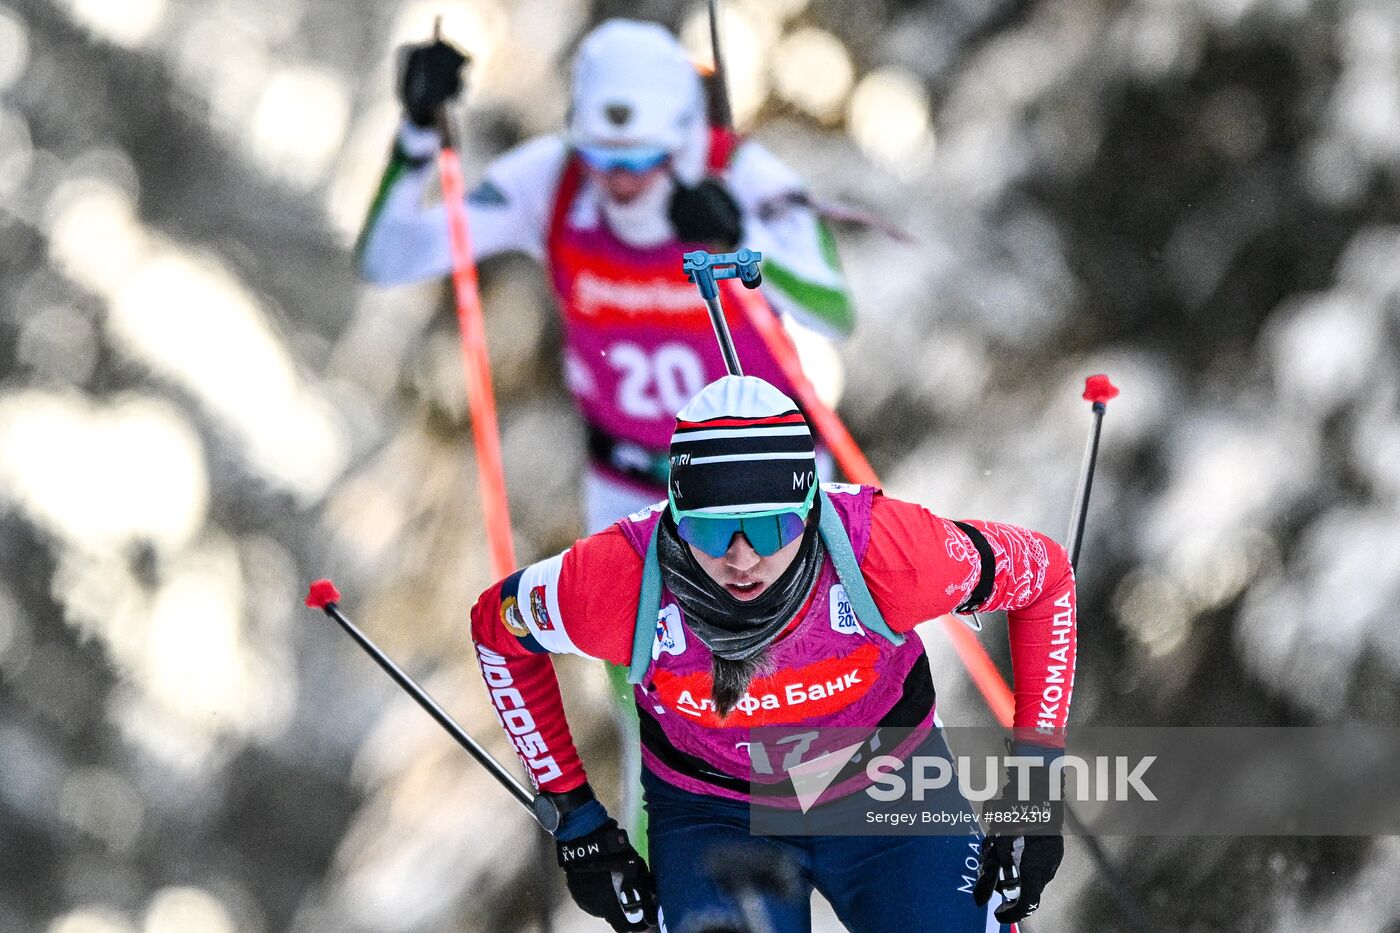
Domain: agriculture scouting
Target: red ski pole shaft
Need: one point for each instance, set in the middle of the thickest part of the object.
(981, 670)
(481, 398)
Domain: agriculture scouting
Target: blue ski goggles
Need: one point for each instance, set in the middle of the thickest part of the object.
(634, 159)
(767, 534)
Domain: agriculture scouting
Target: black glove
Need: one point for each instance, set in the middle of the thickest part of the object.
(1019, 877)
(430, 75)
(1023, 847)
(706, 213)
(608, 879)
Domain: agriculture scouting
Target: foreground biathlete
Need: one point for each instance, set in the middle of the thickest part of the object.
(609, 206)
(754, 598)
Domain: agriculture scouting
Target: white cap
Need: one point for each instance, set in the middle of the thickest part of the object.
(634, 86)
(736, 397)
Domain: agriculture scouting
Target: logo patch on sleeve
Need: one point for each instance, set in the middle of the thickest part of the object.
(843, 615)
(511, 619)
(670, 634)
(539, 608)
(642, 515)
(845, 489)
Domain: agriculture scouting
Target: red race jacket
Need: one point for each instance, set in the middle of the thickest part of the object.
(918, 566)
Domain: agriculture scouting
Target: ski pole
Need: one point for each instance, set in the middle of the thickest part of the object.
(324, 596)
(1098, 390)
(481, 399)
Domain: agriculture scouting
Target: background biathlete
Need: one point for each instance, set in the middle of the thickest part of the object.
(751, 605)
(609, 206)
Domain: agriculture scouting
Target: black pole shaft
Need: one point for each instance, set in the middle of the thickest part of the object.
(444, 128)
(444, 119)
(723, 111)
(725, 338)
(473, 748)
(1080, 513)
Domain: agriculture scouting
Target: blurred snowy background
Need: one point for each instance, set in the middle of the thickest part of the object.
(201, 409)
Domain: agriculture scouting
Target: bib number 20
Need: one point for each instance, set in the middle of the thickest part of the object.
(657, 384)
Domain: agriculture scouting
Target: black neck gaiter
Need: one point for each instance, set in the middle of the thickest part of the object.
(734, 629)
